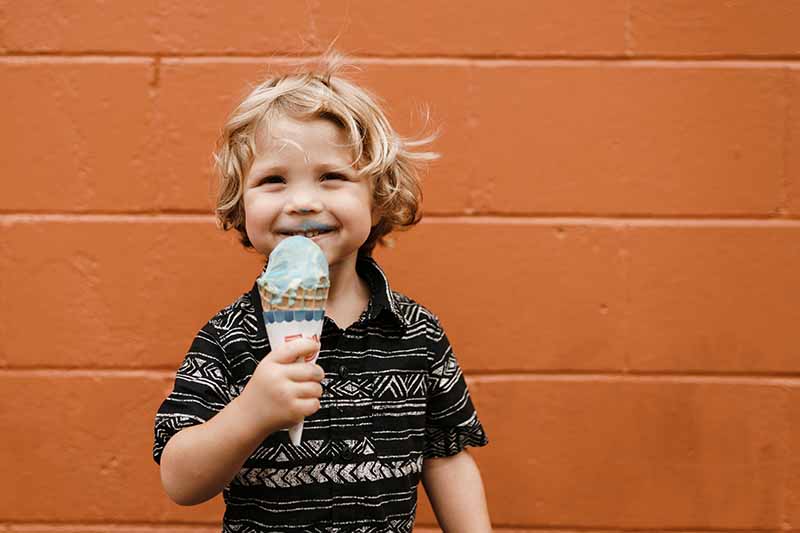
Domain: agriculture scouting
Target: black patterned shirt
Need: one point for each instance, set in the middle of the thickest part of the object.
(393, 394)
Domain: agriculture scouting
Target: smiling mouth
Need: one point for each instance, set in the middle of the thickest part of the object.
(308, 233)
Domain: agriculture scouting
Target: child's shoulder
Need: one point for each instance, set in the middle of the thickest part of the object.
(414, 312)
(239, 316)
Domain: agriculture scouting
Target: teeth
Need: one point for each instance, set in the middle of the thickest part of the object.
(310, 234)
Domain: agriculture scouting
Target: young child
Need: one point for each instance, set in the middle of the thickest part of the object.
(386, 404)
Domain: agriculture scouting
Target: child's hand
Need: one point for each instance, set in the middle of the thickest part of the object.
(284, 388)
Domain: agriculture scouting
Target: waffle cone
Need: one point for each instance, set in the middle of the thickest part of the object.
(300, 298)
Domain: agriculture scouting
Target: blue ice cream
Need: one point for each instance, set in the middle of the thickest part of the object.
(297, 262)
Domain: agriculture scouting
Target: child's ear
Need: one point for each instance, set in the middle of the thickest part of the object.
(376, 216)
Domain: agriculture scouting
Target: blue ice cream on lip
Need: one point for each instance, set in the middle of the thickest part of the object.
(296, 262)
(311, 225)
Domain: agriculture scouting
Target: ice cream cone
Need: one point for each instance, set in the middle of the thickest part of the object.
(293, 296)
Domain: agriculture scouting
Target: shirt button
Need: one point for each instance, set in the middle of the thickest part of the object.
(344, 371)
(347, 454)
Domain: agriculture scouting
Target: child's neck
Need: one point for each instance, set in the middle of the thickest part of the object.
(348, 295)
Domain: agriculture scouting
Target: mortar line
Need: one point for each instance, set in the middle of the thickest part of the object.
(722, 60)
(573, 219)
(627, 36)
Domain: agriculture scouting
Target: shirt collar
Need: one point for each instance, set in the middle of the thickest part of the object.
(381, 296)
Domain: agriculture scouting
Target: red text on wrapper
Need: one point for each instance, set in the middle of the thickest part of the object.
(315, 338)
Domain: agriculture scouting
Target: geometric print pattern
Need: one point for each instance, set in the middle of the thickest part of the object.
(392, 526)
(394, 395)
(400, 386)
(445, 441)
(327, 473)
(314, 449)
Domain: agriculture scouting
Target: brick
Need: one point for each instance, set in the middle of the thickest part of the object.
(666, 140)
(76, 26)
(141, 308)
(217, 87)
(688, 308)
(508, 27)
(708, 297)
(237, 27)
(641, 140)
(651, 453)
(187, 181)
(535, 296)
(114, 293)
(792, 179)
(450, 184)
(78, 135)
(792, 472)
(716, 28)
(82, 443)
(514, 27)
(661, 446)
(159, 26)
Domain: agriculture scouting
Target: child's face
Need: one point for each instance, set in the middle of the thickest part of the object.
(301, 182)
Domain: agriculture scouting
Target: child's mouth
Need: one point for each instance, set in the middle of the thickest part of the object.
(309, 233)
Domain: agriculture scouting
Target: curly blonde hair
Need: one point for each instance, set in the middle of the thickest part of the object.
(322, 93)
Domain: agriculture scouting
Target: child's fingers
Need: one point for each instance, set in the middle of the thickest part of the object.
(308, 389)
(308, 406)
(304, 372)
(293, 350)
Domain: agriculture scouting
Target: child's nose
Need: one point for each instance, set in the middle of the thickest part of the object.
(303, 202)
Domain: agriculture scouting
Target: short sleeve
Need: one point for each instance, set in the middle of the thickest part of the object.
(200, 390)
(451, 420)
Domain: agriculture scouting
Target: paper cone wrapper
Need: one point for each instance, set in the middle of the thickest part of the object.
(285, 326)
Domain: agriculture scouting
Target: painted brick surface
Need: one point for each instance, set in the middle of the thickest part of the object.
(157, 26)
(792, 193)
(640, 140)
(81, 443)
(705, 298)
(662, 447)
(115, 294)
(186, 180)
(671, 141)
(610, 240)
(506, 27)
(714, 28)
(791, 499)
(554, 303)
(77, 135)
(650, 454)
(176, 273)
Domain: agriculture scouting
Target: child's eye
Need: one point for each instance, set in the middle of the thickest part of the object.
(271, 180)
(333, 176)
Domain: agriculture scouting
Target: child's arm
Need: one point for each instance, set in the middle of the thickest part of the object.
(455, 489)
(199, 461)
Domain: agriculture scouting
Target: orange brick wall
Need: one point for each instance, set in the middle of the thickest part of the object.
(634, 164)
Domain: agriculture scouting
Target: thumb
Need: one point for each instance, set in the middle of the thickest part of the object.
(292, 350)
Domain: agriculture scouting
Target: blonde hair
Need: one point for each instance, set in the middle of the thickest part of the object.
(322, 93)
